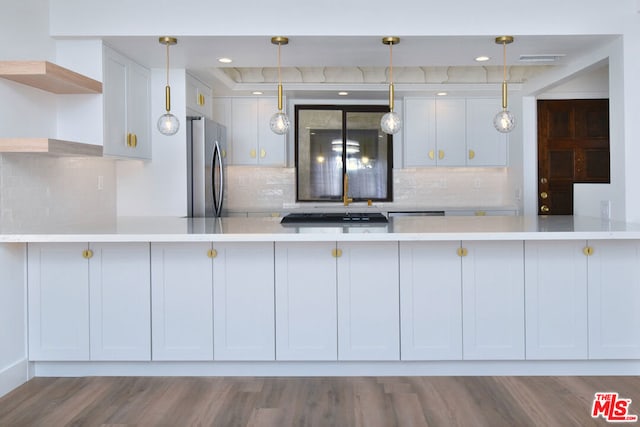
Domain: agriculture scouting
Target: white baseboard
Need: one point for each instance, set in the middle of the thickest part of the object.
(465, 368)
(14, 376)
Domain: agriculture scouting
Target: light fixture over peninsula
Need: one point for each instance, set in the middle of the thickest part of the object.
(504, 121)
(279, 122)
(391, 121)
(168, 124)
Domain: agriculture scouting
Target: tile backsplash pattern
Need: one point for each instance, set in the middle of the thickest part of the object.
(251, 188)
(37, 189)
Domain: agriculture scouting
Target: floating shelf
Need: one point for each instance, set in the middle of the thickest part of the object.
(49, 77)
(54, 147)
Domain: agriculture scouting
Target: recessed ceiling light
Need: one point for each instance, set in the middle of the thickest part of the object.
(442, 94)
(225, 60)
(256, 92)
(482, 58)
(343, 93)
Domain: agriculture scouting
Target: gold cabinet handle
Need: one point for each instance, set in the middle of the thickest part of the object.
(128, 140)
(440, 154)
(252, 153)
(462, 252)
(200, 99)
(472, 154)
(336, 253)
(480, 213)
(263, 153)
(224, 153)
(544, 208)
(431, 155)
(587, 250)
(134, 140)
(544, 195)
(87, 253)
(212, 253)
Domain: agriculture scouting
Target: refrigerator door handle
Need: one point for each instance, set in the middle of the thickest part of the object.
(218, 192)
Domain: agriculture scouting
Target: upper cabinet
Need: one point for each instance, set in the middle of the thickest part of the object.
(198, 98)
(127, 116)
(452, 132)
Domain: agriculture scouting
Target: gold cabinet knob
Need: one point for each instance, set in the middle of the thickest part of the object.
(587, 250)
(252, 153)
(440, 154)
(472, 154)
(462, 252)
(336, 253)
(263, 153)
(224, 153)
(544, 195)
(544, 208)
(87, 253)
(212, 253)
(431, 154)
(543, 180)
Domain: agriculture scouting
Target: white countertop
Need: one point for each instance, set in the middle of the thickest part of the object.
(232, 229)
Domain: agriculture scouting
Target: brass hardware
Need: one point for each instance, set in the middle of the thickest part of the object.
(336, 253)
(544, 208)
(263, 153)
(587, 250)
(431, 155)
(167, 98)
(252, 153)
(224, 153)
(345, 190)
(128, 140)
(212, 253)
(390, 41)
(544, 195)
(543, 180)
(472, 154)
(279, 40)
(200, 99)
(87, 253)
(440, 154)
(462, 252)
(480, 213)
(504, 41)
(134, 140)
(170, 41)
(369, 202)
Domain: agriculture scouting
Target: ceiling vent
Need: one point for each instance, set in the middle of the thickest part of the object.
(542, 58)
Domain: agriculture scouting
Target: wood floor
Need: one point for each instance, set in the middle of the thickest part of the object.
(340, 401)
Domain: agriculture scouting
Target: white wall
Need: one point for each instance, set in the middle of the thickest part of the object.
(13, 330)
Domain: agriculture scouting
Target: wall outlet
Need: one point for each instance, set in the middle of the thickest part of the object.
(605, 209)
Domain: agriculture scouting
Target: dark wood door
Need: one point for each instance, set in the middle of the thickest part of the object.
(573, 147)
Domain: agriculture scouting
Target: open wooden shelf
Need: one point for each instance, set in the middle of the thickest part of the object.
(49, 77)
(54, 147)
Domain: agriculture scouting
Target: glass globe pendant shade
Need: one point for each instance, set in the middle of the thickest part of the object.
(391, 123)
(504, 121)
(279, 123)
(168, 124)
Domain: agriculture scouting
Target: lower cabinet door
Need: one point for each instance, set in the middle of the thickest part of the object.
(430, 301)
(368, 301)
(243, 301)
(120, 301)
(58, 291)
(614, 299)
(181, 301)
(306, 304)
(556, 300)
(493, 300)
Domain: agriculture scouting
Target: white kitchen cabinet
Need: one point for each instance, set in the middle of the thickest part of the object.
(451, 132)
(243, 301)
(368, 301)
(485, 145)
(127, 109)
(556, 300)
(419, 132)
(252, 141)
(430, 301)
(306, 301)
(198, 97)
(58, 295)
(182, 301)
(493, 300)
(614, 299)
(120, 298)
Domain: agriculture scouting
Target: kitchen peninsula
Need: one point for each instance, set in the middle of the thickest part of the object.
(250, 296)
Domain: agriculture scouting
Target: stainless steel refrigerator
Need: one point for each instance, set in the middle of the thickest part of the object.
(206, 142)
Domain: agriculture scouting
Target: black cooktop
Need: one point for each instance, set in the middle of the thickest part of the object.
(335, 218)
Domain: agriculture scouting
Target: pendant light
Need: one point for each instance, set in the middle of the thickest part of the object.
(391, 122)
(504, 121)
(279, 122)
(168, 124)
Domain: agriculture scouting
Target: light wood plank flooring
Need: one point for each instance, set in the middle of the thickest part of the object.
(340, 401)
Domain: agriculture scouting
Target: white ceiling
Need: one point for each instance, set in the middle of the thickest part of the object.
(200, 54)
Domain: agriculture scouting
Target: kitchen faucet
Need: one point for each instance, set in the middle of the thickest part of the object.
(345, 190)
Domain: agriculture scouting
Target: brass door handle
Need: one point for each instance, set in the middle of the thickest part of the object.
(472, 154)
(336, 253)
(588, 250)
(431, 154)
(212, 253)
(544, 195)
(87, 254)
(462, 252)
(544, 208)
